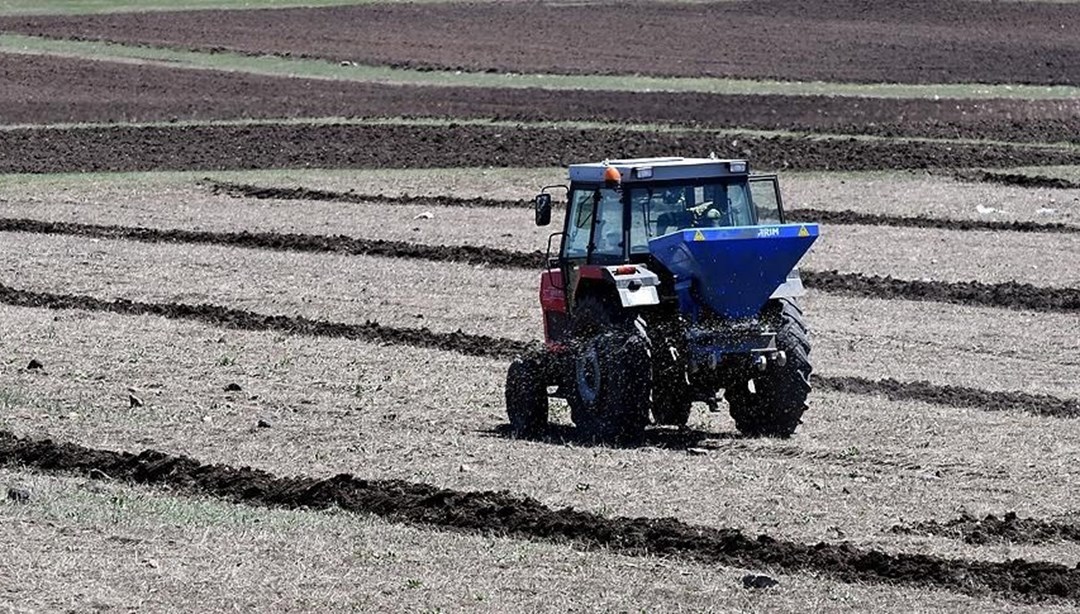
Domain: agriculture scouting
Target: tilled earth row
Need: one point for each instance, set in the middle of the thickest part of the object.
(992, 529)
(841, 217)
(905, 340)
(507, 515)
(494, 347)
(1012, 295)
(264, 146)
(926, 41)
(45, 89)
(1019, 179)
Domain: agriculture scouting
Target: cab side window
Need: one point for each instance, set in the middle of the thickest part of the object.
(766, 195)
(576, 244)
(608, 236)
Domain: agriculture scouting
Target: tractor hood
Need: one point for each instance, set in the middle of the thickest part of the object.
(734, 271)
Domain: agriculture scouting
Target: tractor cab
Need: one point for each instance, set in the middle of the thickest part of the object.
(616, 207)
(610, 219)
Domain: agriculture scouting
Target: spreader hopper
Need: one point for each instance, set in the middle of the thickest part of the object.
(733, 271)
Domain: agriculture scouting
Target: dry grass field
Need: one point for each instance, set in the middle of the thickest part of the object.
(314, 354)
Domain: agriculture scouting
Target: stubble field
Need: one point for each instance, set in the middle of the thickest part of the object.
(300, 296)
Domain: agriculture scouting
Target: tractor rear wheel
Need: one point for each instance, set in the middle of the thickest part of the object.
(776, 405)
(612, 376)
(526, 397)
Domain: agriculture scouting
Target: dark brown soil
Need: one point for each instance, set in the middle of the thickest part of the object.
(919, 41)
(502, 514)
(227, 147)
(1009, 295)
(463, 343)
(494, 347)
(244, 190)
(826, 216)
(1017, 179)
(44, 89)
(1010, 528)
(953, 396)
(336, 244)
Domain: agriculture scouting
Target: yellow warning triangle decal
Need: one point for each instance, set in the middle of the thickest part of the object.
(699, 236)
(803, 232)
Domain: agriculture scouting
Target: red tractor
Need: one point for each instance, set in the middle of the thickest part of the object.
(675, 280)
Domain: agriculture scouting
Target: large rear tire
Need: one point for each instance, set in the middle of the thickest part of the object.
(612, 378)
(526, 397)
(776, 405)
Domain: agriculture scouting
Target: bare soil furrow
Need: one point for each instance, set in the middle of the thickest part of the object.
(826, 216)
(495, 347)
(1011, 295)
(244, 190)
(1019, 179)
(500, 513)
(955, 396)
(339, 244)
(1009, 528)
(469, 344)
(390, 145)
(847, 217)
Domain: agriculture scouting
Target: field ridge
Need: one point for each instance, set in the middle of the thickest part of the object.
(485, 346)
(420, 144)
(1009, 295)
(827, 216)
(503, 514)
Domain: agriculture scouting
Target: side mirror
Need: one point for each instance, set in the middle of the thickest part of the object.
(543, 209)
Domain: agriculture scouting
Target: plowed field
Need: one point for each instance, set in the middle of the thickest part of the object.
(342, 145)
(57, 90)
(925, 41)
(254, 358)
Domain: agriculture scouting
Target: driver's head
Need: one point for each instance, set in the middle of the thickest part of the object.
(672, 196)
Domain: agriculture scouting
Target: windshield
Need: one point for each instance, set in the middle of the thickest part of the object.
(657, 211)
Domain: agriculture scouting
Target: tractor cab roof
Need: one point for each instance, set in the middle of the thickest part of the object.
(658, 169)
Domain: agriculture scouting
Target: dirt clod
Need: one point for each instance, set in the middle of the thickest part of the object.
(18, 495)
(34, 365)
(758, 581)
(1008, 528)
(233, 387)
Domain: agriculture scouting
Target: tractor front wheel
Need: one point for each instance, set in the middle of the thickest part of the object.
(612, 377)
(526, 397)
(775, 406)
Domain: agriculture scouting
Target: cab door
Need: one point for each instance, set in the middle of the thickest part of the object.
(765, 195)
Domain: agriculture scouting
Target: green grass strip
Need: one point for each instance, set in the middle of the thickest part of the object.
(95, 7)
(321, 69)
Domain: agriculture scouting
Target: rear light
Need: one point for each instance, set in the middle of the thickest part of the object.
(626, 270)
